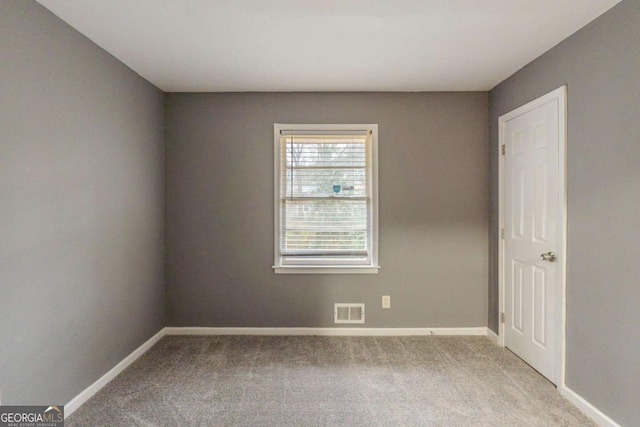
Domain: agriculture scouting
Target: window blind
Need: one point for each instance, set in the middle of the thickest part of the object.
(324, 195)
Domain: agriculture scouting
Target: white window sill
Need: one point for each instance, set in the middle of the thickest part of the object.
(325, 269)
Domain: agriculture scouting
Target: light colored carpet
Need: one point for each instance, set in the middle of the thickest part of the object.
(328, 381)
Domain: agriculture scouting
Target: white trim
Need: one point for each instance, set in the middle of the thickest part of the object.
(583, 405)
(90, 391)
(560, 95)
(87, 393)
(501, 141)
(587, 408)
(356, 332)
(492, 336)
(372, 264)
(322, 269)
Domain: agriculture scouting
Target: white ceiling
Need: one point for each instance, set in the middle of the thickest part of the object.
(326, 45)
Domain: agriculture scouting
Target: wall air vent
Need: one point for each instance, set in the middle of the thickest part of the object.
(348, 313)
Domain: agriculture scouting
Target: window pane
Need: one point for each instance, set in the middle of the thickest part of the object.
(324, 225)
(325, 183)
(322, 167)
(328, 151)
(325, 188)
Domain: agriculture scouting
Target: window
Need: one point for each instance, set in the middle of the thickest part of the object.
(326, 191)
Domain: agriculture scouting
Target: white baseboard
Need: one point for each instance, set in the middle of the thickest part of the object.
(326, 331)
(87, 393)
(587, 408)
(492, 336)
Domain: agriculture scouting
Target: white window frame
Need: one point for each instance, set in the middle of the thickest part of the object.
(322, 268)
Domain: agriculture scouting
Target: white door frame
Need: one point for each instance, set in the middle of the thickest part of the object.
(560, 95)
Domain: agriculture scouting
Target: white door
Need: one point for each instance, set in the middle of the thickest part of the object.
(534, 233)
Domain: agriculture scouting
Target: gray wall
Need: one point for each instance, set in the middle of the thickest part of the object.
(601, 66)
(433, 210)
(81, 208)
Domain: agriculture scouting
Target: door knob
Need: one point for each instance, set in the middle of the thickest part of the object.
(549, 256)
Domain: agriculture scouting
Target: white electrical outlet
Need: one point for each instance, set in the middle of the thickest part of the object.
(386, 301)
